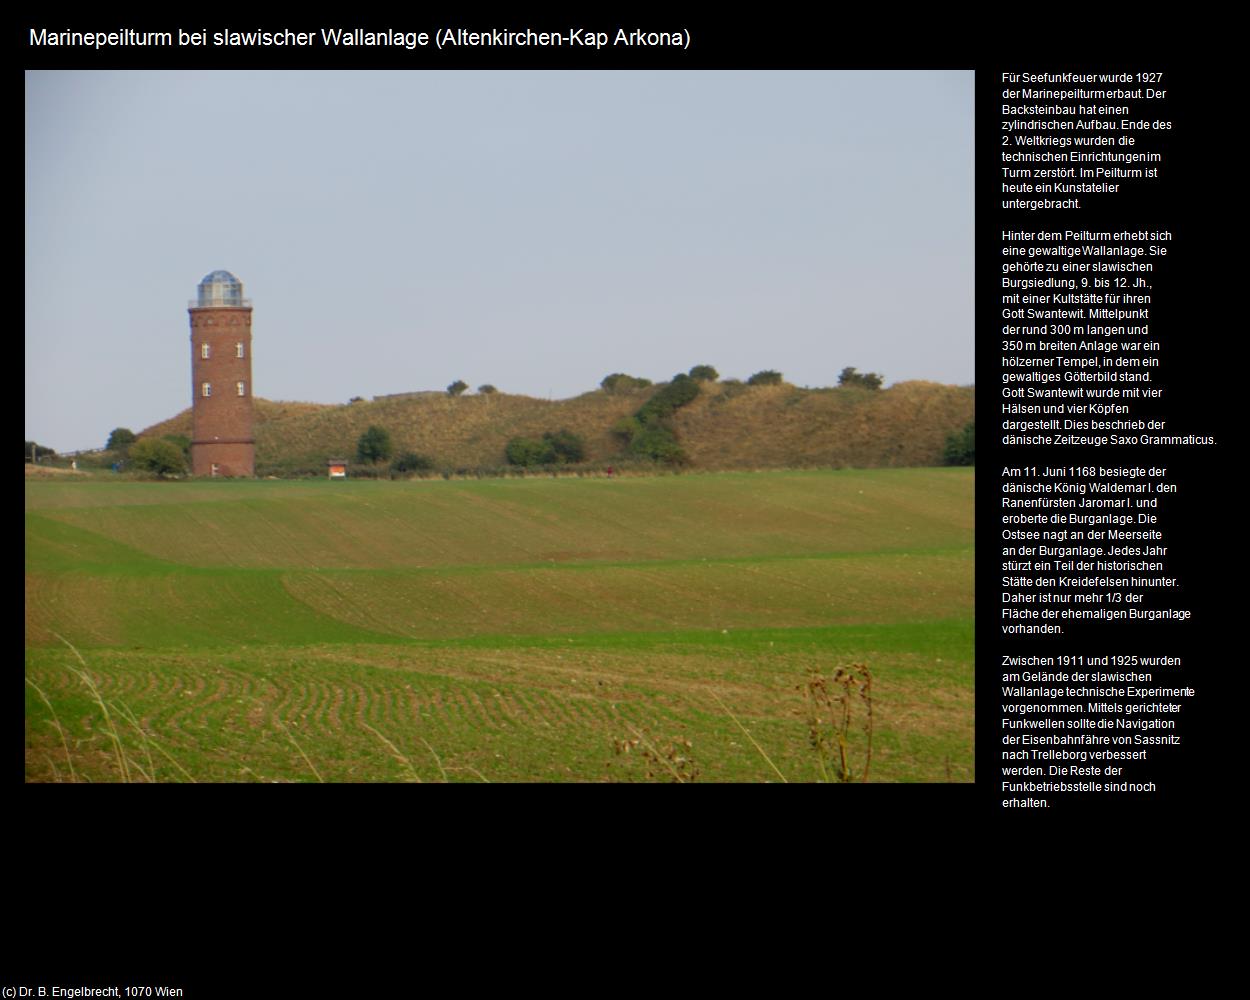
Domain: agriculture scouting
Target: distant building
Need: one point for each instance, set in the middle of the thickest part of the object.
(221, 379)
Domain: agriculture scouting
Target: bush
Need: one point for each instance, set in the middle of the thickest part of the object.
(625, 429)
(658, 444)
(766, 377)
(91, 460)
(568, 447)
(620, 382)
(457, 387)
(120, 439)
(664, 403)
(863, 380)
(486, 389)
(410, 461)
(961, 447)
(159, 456)
(647, 433)
(729, 388)
(182, 442)
(34, 452)
(529, 452)
(374, 445)
(562, 447)
(704, 373)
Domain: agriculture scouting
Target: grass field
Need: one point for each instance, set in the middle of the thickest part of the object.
(501, 630)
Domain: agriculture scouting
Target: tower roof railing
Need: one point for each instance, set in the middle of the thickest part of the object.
(237, 304)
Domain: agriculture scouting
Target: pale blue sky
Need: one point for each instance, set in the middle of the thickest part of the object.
(398, 231)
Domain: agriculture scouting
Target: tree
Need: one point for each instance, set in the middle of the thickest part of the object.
(766, 377)
(864, 380)
(486, 389)
(620, 382)
(704, 373)
(34, 452)
(158, 455)
(120, 439)
(374, 445)
(961, 446)
(457, 387)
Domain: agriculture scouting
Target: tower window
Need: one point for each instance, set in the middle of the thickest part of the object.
(238, 349)
(206, 388)
(242, 387)
(205, 352)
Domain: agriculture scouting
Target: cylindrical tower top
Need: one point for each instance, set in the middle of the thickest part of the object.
(220, 288)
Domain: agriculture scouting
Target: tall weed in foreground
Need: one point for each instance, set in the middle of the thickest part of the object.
(130, 767)
(830, 707)
(675, 757)
(56, 723)
(753, 740)
(127, 765)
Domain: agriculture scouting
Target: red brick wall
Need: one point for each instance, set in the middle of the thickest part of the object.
(222, 422)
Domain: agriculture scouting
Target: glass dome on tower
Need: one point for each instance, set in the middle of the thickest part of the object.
(220, 288)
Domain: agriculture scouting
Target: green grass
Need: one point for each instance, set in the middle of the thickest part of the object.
(509, 630)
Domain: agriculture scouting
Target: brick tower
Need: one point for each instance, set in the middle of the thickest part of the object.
(221, 378)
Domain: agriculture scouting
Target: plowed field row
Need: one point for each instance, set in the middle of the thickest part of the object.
(497, 714)
(506, 630)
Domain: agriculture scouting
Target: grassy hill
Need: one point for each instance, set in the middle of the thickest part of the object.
(498, 629)
(729, 426)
